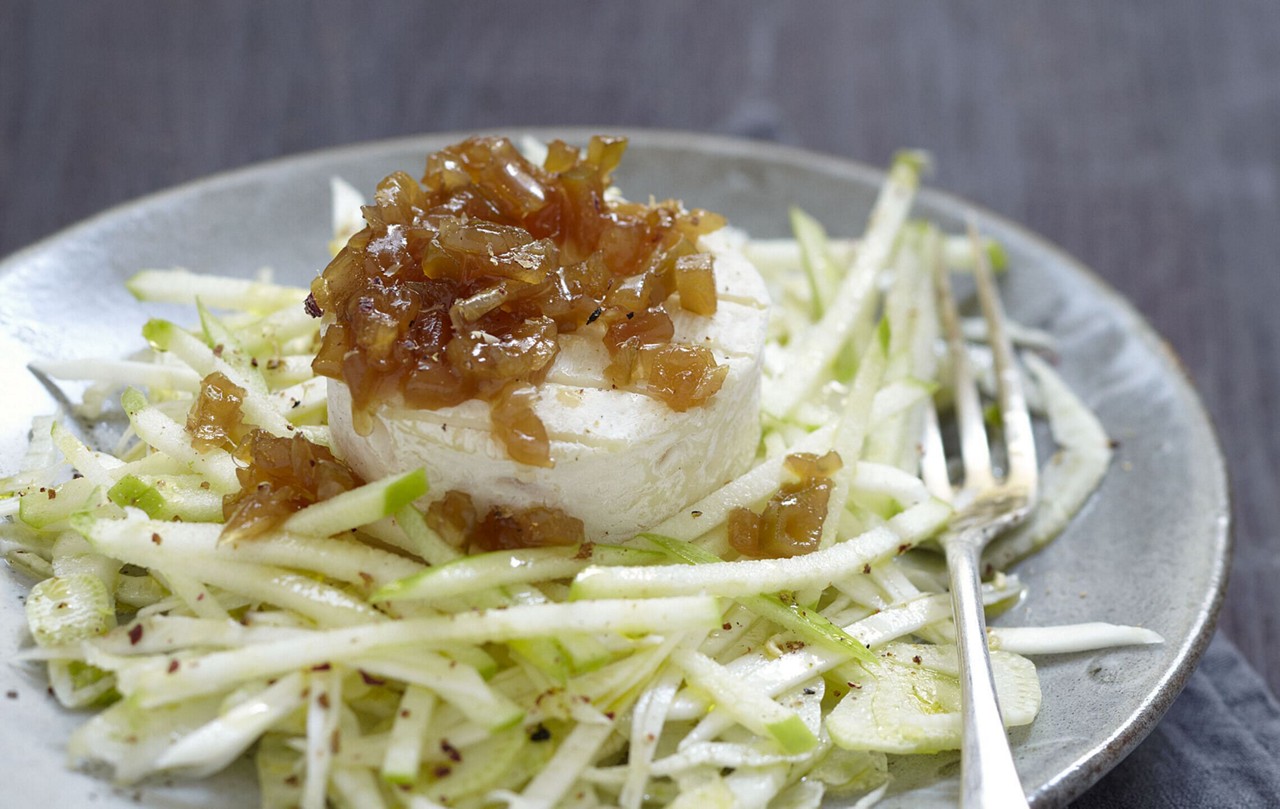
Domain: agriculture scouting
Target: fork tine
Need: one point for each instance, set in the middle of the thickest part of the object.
(1019, 441)
(974, 451)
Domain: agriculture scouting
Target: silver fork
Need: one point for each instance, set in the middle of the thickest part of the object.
(986, 508)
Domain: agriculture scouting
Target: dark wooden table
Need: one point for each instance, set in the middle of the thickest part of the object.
(1142, 137)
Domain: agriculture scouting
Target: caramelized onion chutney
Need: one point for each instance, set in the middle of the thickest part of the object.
(277, 476)
(458, 287)
(792, 520)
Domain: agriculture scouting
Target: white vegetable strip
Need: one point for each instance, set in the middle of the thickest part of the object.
(1048, 640)
(457, 683)
(257, 406)
(647, 719)
(155, 685)
(166, 633)
(882, 479)
(190, 544)
(314, 599)
(323, 714)
(123, 373)
(404, 747)
(356, 786)
(93, 465)
(168, 436)
(571, 758)
(218, 743)
(192, 593)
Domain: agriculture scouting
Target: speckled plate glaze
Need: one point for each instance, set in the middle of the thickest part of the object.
(1151, 548)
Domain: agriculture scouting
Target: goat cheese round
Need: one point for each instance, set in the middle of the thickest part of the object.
(622, 460)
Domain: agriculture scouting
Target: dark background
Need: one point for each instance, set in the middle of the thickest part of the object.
(1142, 137)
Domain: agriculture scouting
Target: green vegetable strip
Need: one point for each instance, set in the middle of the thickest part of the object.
(404, 747)
(826, 338)
(456, 683)
(814, 259)
(808, 624)
(316, 600)
(192, 593)
(360, 506)
(183, 286)
(851, 430)
(750, 708)
(410, 532)
(189, 544)
(153, 684)
(741, 578)
(471, 574)
(168, 497)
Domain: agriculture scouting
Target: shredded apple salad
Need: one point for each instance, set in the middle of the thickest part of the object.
(228, 580)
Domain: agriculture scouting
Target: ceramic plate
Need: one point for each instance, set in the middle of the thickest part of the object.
(1150, 548)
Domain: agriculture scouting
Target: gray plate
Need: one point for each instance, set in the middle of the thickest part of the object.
(1151, 548)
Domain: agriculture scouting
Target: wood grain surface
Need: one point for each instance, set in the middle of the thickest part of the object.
(1142, 137)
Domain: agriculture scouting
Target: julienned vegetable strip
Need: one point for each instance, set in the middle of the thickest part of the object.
(741, 578)
(183, 286)
(827, 336)
(155, 684)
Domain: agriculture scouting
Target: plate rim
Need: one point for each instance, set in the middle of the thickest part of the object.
(1092, 765)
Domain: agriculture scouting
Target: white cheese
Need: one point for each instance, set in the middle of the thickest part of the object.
(622, 460)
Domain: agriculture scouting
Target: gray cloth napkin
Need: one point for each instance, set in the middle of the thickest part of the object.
(1218, 746)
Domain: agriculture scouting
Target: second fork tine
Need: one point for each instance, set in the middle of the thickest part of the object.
(974, 451)
(1018, 439)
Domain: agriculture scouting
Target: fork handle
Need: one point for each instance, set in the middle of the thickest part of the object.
(988, 778)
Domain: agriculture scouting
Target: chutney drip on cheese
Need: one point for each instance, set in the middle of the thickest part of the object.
(459, 286)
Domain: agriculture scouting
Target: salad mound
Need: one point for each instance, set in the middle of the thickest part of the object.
(783, 639)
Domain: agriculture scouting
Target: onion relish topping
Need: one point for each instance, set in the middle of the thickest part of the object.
(459, 286)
